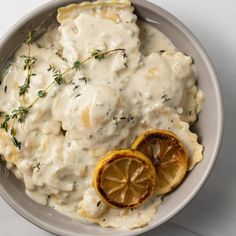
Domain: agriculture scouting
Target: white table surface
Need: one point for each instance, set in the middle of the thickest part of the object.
(213, 210)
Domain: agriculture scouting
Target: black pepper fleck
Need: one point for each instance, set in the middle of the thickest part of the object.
(124, 54)
(166, 99)
(115, 119)
(37, 166)
(122, 118)
(75, 87)
(86, 80)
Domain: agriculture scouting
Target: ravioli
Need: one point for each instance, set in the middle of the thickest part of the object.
(102, 106)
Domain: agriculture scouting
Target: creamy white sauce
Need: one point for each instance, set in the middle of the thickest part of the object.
(152, 40)
(66, 133)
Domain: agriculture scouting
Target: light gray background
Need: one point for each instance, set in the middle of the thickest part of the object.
(213, 210)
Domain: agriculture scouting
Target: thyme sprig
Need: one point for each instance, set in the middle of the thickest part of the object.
(28, 63)
(58, 76)
(21, 112)
(5, 125)
(29, 35)
(99, 55)
(18, 114)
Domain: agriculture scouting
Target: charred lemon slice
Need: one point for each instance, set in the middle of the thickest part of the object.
(169, 156)
(124, 178)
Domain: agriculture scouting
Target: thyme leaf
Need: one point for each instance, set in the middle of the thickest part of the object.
(58, 77)
(29, 36)
(61, 56)
(41, 93)
(13, 132)
(20, 113)
(77, 65)
(16, 142)
(98, 55)
(28, 62)
(4, 124)
(24, 88)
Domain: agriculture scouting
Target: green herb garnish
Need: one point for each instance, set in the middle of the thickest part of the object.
(28, 63)
(4, 124)
(14, 139)
(21, 112)
(29, 35)
(41, 93)
(58, 77)
(16, 142)
(77, 65)
(99, 55)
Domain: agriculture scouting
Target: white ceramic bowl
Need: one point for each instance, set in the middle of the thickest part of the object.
(209, 127)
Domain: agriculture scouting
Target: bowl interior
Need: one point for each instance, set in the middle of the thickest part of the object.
(209, 126)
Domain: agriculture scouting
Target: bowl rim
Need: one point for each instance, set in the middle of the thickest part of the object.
(207, 61)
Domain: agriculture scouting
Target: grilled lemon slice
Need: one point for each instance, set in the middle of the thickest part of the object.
(124, 178)
(169, 156)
